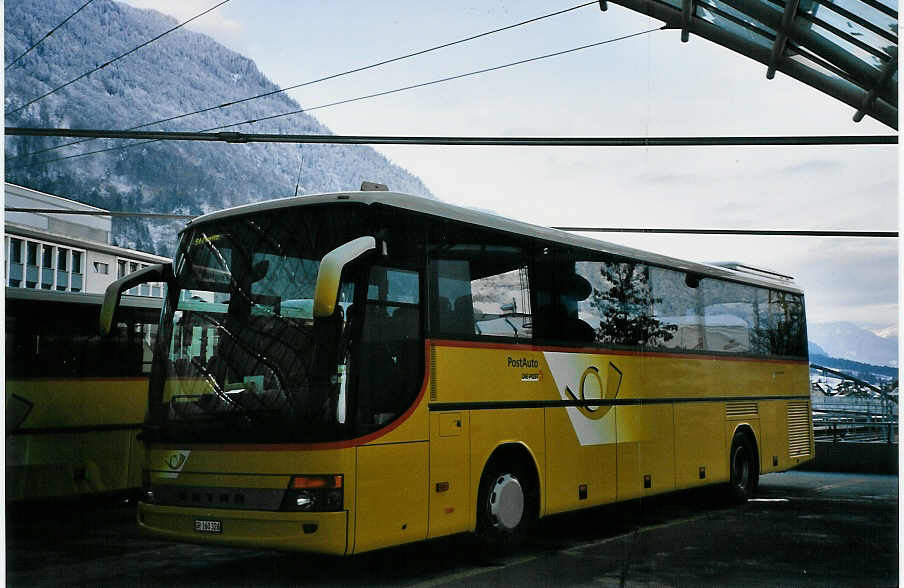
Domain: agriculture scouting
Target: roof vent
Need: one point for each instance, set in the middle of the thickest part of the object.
(373, 187)
(749, 269)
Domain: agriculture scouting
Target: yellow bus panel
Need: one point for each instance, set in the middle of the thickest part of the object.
(450, 492)
(79, 437)
(391, 504)
(274, 530)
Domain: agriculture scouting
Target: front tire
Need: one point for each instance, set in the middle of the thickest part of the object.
(506, 506)
(745, 472)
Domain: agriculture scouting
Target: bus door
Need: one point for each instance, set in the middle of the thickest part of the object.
(388, 359)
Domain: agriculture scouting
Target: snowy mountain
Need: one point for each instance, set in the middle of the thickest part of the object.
(182, 72)
(886, 332)
(878, 375)
(848, 341)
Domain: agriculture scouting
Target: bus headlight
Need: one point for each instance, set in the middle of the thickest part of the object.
(314, 494)
(147, 493)
(305, 500)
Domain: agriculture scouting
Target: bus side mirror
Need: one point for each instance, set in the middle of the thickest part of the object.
(153, 273)
(327, 288)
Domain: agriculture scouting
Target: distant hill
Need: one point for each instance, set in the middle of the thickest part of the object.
(182, 72)
(874, 374)
(815, 349)
(848, 341)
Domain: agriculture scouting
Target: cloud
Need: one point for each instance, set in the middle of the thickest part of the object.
(216, 23)
(817, 166)
(670, 179)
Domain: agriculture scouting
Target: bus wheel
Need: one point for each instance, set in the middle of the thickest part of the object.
(506, 506)
(745, 473)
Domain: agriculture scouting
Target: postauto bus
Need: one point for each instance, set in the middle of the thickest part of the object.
(345, 372)
(75, 402)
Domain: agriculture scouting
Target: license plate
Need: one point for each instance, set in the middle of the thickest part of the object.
(206, 526)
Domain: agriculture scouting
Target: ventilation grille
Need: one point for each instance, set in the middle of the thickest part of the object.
(741, 410)
(432, 372)
(799, 428)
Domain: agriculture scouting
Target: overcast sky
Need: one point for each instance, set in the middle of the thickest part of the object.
(651, 85)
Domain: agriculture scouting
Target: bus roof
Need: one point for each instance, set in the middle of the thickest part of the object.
(32, 294)
(435, 208)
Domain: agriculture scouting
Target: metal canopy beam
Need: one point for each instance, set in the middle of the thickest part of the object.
(687, 14)
(866, 76)
(882, 109)
(778, 48)
(840, 33)
(888, 36)
(881, 8)
(887, 71)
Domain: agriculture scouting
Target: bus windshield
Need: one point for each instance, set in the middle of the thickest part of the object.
(240, 356)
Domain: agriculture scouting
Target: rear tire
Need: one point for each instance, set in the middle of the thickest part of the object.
(745, 472)
(507, 505)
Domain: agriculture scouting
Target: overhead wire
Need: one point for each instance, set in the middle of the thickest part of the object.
(443, 80)
(582, 141)
(757, 232)
(44, 38)
(360, 98)
(332, 76)
(115, 59)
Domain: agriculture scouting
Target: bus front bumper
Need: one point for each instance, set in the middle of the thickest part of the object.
(320, 532)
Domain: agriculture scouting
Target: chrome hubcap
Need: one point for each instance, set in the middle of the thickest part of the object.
(506, 502)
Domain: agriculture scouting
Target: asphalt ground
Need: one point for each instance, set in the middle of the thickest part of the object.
(803, 529)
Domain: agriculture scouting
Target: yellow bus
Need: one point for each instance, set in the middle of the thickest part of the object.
(75, 402)
(345, 372)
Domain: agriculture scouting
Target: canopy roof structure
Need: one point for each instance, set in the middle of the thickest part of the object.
(847, 49)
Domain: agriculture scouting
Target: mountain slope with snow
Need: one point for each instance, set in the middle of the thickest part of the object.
(181, 72)
(848, 341)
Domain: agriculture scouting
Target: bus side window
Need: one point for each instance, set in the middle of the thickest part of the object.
(595, 300)
(728, 316)
(568, 315)
(677, 305)
(786, 324)
(481, 290)
(455, 309)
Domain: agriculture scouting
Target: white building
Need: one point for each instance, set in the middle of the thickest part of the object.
(65, 252)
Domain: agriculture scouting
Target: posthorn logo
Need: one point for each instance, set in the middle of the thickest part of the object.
(174, 461)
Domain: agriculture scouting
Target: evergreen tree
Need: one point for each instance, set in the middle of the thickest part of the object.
(626, 306)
